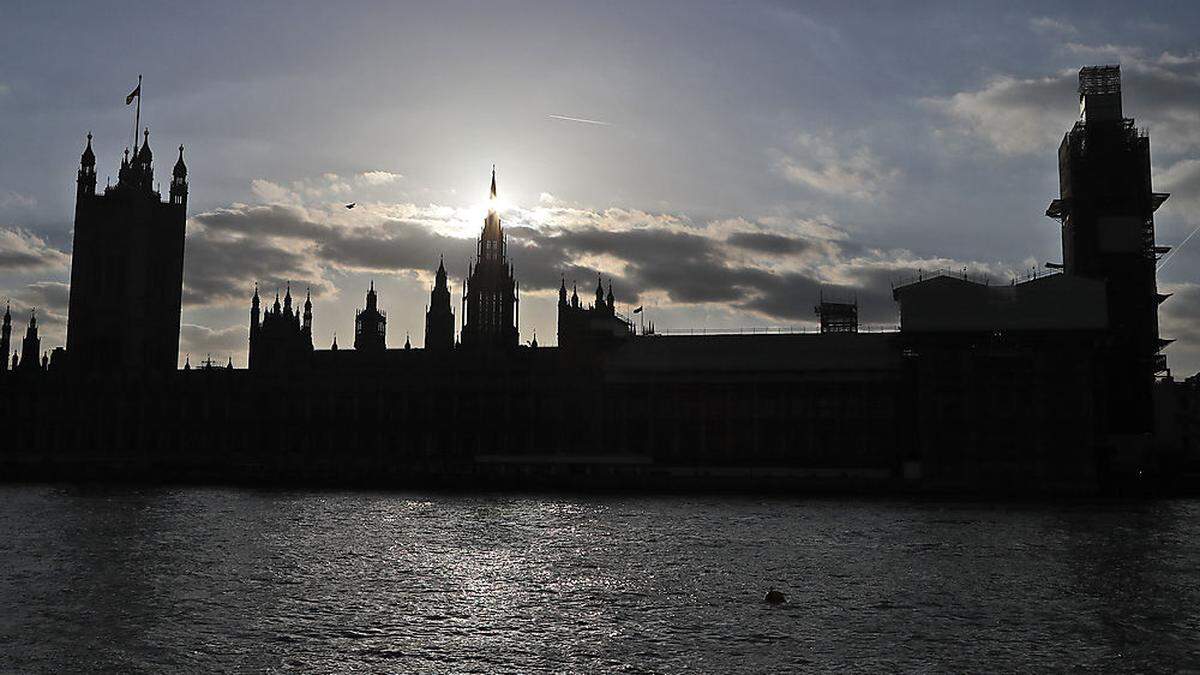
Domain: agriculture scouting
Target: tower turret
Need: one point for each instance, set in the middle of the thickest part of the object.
(86, 180)
(5, 338)
(179, 186)
(31, 346)
(439, 318)
(491, 290)
(370, 325)
(255, 327)
(308, 311)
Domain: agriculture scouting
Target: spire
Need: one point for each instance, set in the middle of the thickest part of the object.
(88, 158)
(407, 342)
(611, 302)
(144, 155)
(254, 299)
(372, 299)
(493, 181)
(562, 291)
(308, 311)
(7, 312)
(277, 310)
(287, 299)
(180, 168)
(599, 291)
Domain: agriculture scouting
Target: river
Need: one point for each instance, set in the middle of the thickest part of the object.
(207, 579)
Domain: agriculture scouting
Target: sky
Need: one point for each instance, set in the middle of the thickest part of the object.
(723, 164)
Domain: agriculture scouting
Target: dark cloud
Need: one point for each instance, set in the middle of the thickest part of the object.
(396, 245)
(22, 251)
(689, 265)
(53, 296)
(267, 220)
(218, 271)
(769, 242)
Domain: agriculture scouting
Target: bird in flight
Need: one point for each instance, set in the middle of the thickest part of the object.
(351, 205)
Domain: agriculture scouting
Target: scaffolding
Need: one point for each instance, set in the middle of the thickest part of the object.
(837, 317)
(1098, 80)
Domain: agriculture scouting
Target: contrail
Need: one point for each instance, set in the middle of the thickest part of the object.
(579, 119)
(1176, 249)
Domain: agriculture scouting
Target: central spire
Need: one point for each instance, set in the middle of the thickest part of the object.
(493, 181)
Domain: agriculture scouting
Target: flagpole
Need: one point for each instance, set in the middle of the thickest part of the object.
(137, 121)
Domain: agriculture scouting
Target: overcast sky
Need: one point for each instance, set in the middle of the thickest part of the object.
(719, 162)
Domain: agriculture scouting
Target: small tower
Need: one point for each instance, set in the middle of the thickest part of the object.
(491, 291)
(85, 182)
(5, 338)
(31, 346)
(179, 187)
(370, 325)
(255, 327)
(308, 312)
(439, 319)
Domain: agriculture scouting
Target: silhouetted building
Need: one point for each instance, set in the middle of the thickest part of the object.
(5, 339)
(490, 299)
(837, 317)
(283, 339)
(370, 325)
(593, 326)
(31, 347)
(127, 267)
(1029, 385)
(439, 317)
(1106, 205)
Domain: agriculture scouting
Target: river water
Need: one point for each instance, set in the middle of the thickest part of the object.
(196, 579)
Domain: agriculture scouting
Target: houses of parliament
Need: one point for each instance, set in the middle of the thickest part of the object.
(1055, 384)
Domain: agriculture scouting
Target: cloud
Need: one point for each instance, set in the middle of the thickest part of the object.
(768, 242)
(53, 296)
(1052, 26)
(376, 178)
(821, 163)
(1182, 180)
(50, 299)
(771, 267)
(23, 251)
(17, 200)
(200, 341)
(1016, 115)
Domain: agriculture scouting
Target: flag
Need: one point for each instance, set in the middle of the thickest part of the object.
(638, 310)
(136, 93)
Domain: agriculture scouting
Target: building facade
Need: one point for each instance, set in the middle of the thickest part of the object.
(127, 267)
(490, 302)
